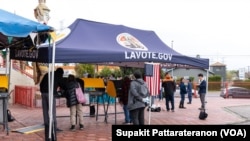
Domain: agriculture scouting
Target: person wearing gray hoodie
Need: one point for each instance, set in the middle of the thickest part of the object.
(136, 105)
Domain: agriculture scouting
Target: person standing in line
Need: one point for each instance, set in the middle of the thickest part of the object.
(183, 92)
(124, 99)
(136, 105)
(202, 90)
(44, 88)
(169, 88)
(189, 91)
(72, 103)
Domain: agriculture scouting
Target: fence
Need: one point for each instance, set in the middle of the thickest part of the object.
(25, 95)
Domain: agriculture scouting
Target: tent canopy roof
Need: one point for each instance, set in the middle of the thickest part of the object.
(15, 29)
(87, 41)
(16, 26)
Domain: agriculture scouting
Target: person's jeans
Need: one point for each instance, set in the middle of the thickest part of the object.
(170, 98)
(126, 114)
(190, 97)
(137, 116)
(202, 98)
(182, 98)
(46, 118)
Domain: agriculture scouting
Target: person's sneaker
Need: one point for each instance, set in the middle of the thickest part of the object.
(92, 115)
(58, 130)
(126, 123)
(81, 127)
(72, 128)
(189, 103)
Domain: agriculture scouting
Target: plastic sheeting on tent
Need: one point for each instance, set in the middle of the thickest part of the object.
(15, 29)
(17, 26)
(87, 41)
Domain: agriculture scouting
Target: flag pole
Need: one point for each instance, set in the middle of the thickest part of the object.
(149, 109)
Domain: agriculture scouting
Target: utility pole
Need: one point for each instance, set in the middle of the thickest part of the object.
(248, 75)
(172, 44)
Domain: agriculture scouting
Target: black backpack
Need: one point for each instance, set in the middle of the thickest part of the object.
(9, 116)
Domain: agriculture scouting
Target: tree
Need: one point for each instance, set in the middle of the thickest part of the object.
(232, 74)
(118, 73)
(105, 72)
(82, 69)
(127, 70)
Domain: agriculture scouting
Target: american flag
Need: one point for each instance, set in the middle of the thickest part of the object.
(153, 81)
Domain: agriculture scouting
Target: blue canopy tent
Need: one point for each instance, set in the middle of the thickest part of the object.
(15, 33)
(15, 29)
(16, 26)
(87, 41)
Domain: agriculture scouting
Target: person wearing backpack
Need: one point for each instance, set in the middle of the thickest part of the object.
(136, 105)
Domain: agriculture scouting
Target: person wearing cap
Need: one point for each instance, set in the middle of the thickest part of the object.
(136, 105)
(44, 88)
(169, 88)
(202, 90)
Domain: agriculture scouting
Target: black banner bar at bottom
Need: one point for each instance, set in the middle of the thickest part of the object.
(217, 132)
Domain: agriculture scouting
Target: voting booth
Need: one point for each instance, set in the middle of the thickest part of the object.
(114, 90)
(95, 88)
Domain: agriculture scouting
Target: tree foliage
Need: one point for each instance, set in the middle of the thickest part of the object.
(105, 72)
(82, 69)
(214, 78)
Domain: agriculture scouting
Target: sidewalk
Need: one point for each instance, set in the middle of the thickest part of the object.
(220, 112)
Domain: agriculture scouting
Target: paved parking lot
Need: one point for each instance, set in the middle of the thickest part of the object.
(220, 112)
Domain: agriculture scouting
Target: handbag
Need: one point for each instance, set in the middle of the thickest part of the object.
(80, 95)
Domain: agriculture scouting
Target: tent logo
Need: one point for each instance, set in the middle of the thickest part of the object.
(128, 41)
(58, 35)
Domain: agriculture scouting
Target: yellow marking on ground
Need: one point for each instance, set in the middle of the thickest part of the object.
(33, 131)
(29, 129)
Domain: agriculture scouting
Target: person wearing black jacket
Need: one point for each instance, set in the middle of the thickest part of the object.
(169, 89)
(202, 90)
(124, 99)
(44, 88)
(72, 103)
(183, 92)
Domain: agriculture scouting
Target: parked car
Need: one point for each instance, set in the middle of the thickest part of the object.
(235, 92)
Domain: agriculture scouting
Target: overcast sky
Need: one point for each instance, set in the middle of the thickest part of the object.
(214, 29)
